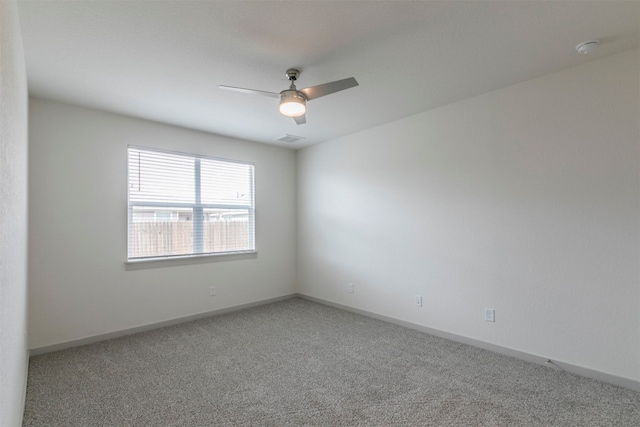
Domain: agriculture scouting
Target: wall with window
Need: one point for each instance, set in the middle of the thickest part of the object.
(525, 200)
(79, 286)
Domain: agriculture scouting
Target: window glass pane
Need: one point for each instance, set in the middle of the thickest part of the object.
(159, 233)
(226, 230)
(226, 183)
(161, 177)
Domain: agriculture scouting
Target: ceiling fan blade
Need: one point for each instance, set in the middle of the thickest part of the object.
(250, 91)
(314, 92)
(300, 120)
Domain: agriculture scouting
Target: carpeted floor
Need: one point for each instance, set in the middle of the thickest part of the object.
(295, 363)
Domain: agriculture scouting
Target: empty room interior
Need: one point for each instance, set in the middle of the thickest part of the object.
(319, 213)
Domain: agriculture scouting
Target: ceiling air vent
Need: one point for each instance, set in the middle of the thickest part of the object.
(289, 138)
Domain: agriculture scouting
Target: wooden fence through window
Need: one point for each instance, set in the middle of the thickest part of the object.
(160, 238)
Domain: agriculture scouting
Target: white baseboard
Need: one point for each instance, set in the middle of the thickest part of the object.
(151, 326)
(541, 360)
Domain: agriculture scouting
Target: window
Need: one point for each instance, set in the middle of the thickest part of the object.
(185, 204)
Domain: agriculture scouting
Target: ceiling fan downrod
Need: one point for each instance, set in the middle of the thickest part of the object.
(292, 75)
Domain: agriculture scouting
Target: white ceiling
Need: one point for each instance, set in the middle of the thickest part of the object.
(164, 60)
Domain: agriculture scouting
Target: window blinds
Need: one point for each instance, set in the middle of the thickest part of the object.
(185, 204)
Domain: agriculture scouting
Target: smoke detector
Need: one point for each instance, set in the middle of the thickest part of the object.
(587, 47)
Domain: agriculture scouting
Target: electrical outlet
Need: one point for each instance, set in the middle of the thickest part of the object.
(350, 288)
(419, 300)
(212, 291)
(489, 315)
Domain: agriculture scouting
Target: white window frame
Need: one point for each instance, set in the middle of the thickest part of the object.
(197, 208)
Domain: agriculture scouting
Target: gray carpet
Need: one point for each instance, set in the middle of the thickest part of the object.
(295, 363)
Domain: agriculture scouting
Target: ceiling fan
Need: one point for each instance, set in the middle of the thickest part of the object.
(293, 102)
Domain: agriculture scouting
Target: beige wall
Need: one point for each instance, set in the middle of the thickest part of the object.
(525, 200)
(79, 287)
(13, 218)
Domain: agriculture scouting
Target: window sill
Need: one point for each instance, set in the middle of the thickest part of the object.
(187, 260)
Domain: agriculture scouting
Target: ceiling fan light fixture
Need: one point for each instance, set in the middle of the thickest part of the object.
(292, 104)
